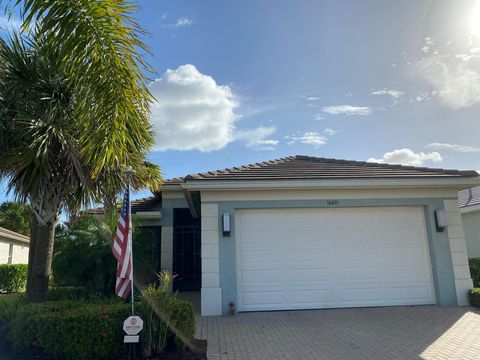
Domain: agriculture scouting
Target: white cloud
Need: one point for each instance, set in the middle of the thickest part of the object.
(347, 110)
(331, 132)
(9, 23)
(192, 111)
(257, 138)
(454, 147)
(408, 157)
(181, 22)
(310, 138)
(458, 85)
(453, 77)
(428, 44)
(313, 138)
(390, 92)
(312, 98)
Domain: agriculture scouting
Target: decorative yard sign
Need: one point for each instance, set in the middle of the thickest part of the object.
(132, 326)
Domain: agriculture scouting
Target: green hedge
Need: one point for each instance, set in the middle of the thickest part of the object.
(13, 277)
(85, 330)
(474, 264)
(71, 329)
(474, 297)
(183, 318)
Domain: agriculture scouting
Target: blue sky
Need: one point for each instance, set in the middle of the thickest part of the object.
(246, 81)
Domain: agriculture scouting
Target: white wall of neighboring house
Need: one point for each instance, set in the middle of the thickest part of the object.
(11, 253)
(471, 228)
(4, 251)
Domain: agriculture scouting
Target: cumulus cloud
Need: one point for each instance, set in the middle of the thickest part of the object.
(454, 147)
(181, 22)
(396, 94)
(192, 111)
(257, 138)
(408, 157)
(453, 77)
(347, 110)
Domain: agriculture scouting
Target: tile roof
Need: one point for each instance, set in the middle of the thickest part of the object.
(151, 203)
(308, 168)
(469, 197)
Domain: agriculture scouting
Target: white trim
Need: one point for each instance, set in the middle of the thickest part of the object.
(458, 183)
(149, 214)
(327, 194)
(469, 209)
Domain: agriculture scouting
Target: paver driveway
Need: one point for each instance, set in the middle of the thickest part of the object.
(423, 332)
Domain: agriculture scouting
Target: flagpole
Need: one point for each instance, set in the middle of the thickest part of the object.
(129, 172)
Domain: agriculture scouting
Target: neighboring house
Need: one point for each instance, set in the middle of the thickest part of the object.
(13, 247)
(469, 202)
(302, 232)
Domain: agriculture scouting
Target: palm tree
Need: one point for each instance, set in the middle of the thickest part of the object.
(74, 113)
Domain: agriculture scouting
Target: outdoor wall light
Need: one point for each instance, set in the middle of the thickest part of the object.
(226, 224)
(440, 219)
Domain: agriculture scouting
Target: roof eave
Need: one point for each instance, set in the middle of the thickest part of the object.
(458, 183)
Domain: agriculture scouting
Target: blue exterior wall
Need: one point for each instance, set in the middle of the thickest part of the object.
(168, 205)
(439, 246)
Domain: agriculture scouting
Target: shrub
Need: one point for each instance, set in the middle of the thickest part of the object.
(474, 297)
(65, 293)
(9, 305)
(13, 277)
(183, 320)
(475, 271)
(72, 329)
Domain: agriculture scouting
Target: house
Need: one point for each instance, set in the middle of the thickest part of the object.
(303, 232)
(469, 202)
(13, 247)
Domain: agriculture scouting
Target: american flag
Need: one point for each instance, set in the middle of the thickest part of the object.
(122, 249)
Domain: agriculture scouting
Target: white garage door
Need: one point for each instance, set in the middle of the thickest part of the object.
(322, 258)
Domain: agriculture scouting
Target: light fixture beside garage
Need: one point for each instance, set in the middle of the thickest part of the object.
(440, 220)
(226, 224)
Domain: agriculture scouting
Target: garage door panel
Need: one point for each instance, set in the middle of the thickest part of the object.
(270, 298)
(402, 216)
(313, 297)
(345, 257)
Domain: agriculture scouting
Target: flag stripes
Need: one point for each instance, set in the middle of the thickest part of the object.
(122, 249)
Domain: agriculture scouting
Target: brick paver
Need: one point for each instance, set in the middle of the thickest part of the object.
(422, 332)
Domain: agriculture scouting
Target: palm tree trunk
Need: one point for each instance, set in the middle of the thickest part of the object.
(31, 249)
(46, 209)
(37, 287)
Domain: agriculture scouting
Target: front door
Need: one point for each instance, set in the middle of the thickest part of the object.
(186, 251)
